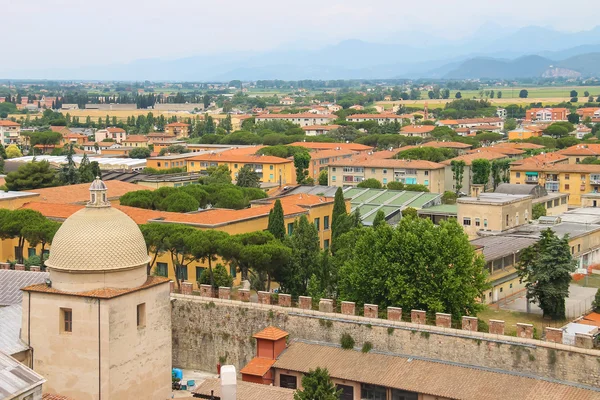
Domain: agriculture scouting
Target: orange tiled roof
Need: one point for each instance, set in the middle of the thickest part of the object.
(319, 154)
(100, 144)
(81, 192)
(299, 115)
(107, 293)
(181, 124)
(486, 127)
(469, 158)
(374, 116)
(449, 122)
(241, 158)
(115, 130)
(329, 146)
(136, 138)
(271, 333)
(508, 150)
(242, 151)
(367, 161)
(61, 129)
(160, 134)
(257, 367)
(6, 122)
(320, 127)
(486, 120)
(449, 145)
(541, 159)
(520, 146)
(581, 168)
(417, 129)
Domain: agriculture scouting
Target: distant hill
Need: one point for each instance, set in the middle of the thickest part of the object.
(527, 67)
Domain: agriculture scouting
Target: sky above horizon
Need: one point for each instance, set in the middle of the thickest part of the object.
(74, 33)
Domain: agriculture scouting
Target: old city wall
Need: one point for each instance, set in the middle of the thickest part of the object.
(207, 331)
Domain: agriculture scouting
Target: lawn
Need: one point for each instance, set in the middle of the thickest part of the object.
(591, 280)
(511, 318)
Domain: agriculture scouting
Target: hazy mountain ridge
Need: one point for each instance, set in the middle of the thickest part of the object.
(491, 52)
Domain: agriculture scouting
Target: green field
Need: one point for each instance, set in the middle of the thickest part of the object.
(511, 318)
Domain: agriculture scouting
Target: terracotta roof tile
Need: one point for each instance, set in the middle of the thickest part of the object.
(107, 293)
(469, 158)
(6, 122)
(48, 396)
(541, 159)
(509, 151)
(257, 367)
(417, 129)
(246, 390)
(521, 146)
(368, 161)
(115, 130)
(136, 138)
(81, 192)
(440, 379)
(299, 115)
(374, 116)
(241, 158)
(271, 333)
(329, 146)
(320, 127)
(584, 168)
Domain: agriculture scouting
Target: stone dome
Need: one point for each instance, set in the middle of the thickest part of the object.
(97, 239)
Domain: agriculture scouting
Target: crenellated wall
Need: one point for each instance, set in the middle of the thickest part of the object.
(207, 331)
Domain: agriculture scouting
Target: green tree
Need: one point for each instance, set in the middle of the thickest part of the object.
(546, 269)
(44, 139)
(370, 183)
(458, 95)
(481, 171)
(266, 260)
(139, 199)
(410, 212)
(155, 238)
(226, 124)
(19, 224)
(339, 209)
(538, 210)
(323, 179)
(180, 202)
(427, 153)
(414, 187)
(523, 94)
(197, 192)
(221, 277)
(304, 244)
(596, 302)
(573, 93)
(69, 174)
(510, 124)
(458, 171)
(178, 243)
(449, 198)
(317, 385)
(86, 174)
(42, 232)
(500, 171)
(33, 175)
(12, 151)
(573, 118)
(140, 153)
(276, 221)
(247, 177)
(220, 174)
(174, 149)
(301, 163)
(395, 186)
(556, 131)
(407, 267)
(379, 219)
(206, 246)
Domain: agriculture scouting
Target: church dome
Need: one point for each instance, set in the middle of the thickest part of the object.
(98, 239)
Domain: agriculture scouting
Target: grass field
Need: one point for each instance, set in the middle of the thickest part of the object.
(511, 318)
(121, 115)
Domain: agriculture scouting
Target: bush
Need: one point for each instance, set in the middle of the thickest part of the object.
(33, 260)
(370, 183)
(180, 202)
(347, 341)
(482, 326)
(596, 302)
(367, 346)
(395, 186)
(220, 275)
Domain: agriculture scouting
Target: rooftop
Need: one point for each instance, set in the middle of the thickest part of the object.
(296, 116)
(16, 378)
(493, 198)
(271, 333)
(367, 161)
(80, 193)
(246, 390)
(496, 247)
(329, 146)
(235, 158)
(417, 129)
(11, 282)
(10, 340)
(585, 168)
(421, 375)
(475, 155)
(258, 366)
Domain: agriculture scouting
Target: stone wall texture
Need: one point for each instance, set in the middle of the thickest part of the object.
(205, 330)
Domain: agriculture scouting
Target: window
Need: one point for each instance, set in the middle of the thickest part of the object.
(333, 178)
(271, 176)
(347, 392)
(235, 166)
(372, 170)
(583, 177)
(426, 183)
(477, 222)
(566, 177)
(141, 315)
(510, 286)
(30, 252)
(333, 169)
(18, 252)
(501, 290)
(403, 395)
(271, 167)
(192, 163)
(384, 180)
(232, 271)
(518, 174)
(467, 221)
(162, 269)
(318, 224)
(66, 320)
(372, 392)
(563, 200)
(182, 272)
(287, 381)
(578, 248)
(426, 173)
(290, 228)
(385, 171)
(567, 186)
(485, 223)
(572, 249)
(326, 244)
(506, 219)
(199, 271)
(326, 222)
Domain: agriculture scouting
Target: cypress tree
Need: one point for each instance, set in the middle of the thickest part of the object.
(276, 224)
(339, 207)
(379, 219)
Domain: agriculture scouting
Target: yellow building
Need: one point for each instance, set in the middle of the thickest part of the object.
(493, 212)
(318, 210)
(178, 129)
(135, 141)
(270, 169)
(574, 179)
(524, 133)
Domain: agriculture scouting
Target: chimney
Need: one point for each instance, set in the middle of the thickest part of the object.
(228, 383)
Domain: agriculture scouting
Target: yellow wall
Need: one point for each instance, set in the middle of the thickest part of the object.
(161, 164)
(134, 144)
(493, 217)
(271, 172)
(573, 183)
(520, 135)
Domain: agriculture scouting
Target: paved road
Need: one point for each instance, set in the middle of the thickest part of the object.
(579, 301)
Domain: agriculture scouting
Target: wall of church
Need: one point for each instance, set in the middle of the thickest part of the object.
(140, 356)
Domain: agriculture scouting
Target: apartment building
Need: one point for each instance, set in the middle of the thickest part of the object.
(474, 124)
(318, 130)
(10, 132)
(303, 119)
(178, 129)
(578, 152)
(116, 134)
(361, 148)
(352, 171)
(468, 159)
(379, 118)
(160, 137)
(493, 212)
(589, 112)
(135, 141)
(573, 179)
(270, 169)
(525, 132)
(422, 131)
(320, 160)
(546, 114)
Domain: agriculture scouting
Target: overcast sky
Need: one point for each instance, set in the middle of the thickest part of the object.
(71, 33)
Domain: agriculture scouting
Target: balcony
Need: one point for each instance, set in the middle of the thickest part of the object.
(531, 179)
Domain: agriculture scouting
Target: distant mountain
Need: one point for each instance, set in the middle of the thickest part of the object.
(491, 51)
(527, 67)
